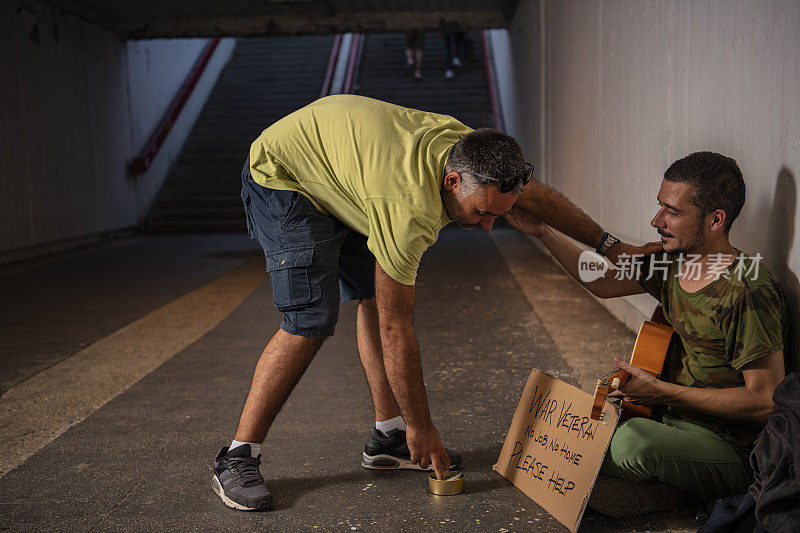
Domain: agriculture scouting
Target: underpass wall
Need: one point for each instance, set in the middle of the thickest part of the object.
(77, 105)
(623, 88)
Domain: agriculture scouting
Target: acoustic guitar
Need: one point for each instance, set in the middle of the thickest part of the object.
(649, 354)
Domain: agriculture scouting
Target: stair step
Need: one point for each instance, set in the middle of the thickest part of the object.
(465, 97)
(266, 79)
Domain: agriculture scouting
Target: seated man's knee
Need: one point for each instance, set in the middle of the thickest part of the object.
(635, 447)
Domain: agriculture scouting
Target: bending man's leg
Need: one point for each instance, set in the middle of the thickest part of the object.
(237, 479)
(301, 247)
(280, 367)
(357, 283)
(371, 353)
(387, 448)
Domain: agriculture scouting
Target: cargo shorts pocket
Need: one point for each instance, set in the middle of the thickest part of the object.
(293, 284)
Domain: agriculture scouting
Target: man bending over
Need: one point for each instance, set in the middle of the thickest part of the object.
(344, 196)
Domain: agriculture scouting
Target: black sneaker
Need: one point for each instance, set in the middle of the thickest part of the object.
(390, 452)
(238, 481)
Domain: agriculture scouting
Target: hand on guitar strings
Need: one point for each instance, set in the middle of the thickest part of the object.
(642, 388)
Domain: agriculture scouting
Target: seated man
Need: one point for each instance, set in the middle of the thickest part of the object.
(730, 319)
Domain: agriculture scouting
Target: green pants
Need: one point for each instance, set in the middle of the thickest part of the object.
(691, 457)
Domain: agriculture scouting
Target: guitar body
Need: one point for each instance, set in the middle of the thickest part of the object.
(649, 354)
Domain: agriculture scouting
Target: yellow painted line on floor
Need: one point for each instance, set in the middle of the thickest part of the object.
(49, 403)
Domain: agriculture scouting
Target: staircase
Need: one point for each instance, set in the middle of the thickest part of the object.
(265, 79)
(268, 78)
(465, 97)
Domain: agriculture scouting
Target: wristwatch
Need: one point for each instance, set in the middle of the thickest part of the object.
(606, 243)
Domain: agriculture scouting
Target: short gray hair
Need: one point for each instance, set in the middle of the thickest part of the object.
(485, 151)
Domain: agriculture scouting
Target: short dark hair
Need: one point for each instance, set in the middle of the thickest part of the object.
(716, 183)
(488, 152)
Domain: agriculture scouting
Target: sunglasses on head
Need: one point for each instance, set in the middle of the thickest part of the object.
(507, 184)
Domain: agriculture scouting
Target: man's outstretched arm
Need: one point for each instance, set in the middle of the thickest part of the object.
(538, 202)
(404, 370)
(555, 209)
(567, 253)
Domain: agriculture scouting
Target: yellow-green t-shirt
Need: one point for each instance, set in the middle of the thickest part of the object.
(376, 167)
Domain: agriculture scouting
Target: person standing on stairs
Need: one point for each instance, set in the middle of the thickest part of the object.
(415, 45)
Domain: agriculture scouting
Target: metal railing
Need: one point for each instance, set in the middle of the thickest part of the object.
(141, 163)
(345, 59)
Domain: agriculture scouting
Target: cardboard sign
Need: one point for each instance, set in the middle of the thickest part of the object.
(553, 451)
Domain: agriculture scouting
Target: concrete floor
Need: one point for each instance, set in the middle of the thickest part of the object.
(490, 308)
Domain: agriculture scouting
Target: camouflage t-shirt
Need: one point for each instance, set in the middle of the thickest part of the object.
(727, 324)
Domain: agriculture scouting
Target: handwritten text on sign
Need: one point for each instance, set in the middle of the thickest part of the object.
(553, 450)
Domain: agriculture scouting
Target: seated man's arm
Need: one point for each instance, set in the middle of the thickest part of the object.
(567, 253)
(542, 203)
(753, 402)
(404, 370)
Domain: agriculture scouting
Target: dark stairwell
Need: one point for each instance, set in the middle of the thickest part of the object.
(266, 79)
(465, 97)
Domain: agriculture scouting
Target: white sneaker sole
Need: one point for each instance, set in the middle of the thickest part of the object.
(389, 462)
(230, 503)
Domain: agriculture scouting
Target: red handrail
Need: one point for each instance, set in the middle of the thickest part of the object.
(351, 63)
(326, 86)
(487, 63)
(141, 163)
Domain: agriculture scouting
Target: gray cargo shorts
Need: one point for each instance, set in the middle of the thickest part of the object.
(313, 260)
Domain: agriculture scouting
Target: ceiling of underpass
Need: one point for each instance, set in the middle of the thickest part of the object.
(210, 18)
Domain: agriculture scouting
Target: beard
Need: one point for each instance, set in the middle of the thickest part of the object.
(454, 210)
(697, 240)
